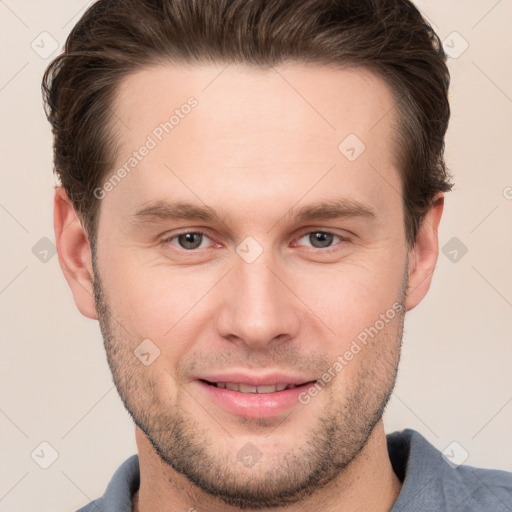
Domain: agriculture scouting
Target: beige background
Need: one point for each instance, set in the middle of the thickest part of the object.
(454, 382)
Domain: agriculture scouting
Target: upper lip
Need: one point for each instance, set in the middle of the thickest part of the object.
(269, 379)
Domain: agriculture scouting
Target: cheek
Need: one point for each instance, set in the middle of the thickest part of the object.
(352, 296)
(367, 361)
(153, 300)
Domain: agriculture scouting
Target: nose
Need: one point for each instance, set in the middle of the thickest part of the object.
(258, 306)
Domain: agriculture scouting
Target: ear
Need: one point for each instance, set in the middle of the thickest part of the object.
(423, 256)
(74, 253)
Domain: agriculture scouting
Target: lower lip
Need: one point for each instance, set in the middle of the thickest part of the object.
(255, 405)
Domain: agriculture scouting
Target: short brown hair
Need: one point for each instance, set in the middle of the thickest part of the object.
(117, 37)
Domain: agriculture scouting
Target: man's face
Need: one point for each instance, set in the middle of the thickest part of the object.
(262, 291)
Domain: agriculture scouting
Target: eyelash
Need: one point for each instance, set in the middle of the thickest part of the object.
(326, 250)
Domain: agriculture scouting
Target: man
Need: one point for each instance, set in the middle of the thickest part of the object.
(249, 203)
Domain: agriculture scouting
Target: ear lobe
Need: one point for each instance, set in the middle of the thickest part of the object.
(423, 256)
(74, 253)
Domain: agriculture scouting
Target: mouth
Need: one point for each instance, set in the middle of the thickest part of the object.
(251, 401)
(246, 388)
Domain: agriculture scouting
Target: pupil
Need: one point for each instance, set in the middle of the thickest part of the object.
(187, 240)
(325, 239)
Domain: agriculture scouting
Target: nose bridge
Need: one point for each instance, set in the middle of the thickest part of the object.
(259, 307)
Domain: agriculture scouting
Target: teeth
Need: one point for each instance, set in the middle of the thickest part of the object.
(245, 388)
(268, 389)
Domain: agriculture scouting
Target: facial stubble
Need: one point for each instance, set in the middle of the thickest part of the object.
(340, 433)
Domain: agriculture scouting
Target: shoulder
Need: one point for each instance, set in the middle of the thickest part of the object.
(485, 489)
(94, 506)
(119, 492)
(433, 481)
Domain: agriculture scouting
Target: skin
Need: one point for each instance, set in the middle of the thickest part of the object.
(257, 152)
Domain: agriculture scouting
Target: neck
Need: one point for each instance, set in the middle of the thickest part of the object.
(367, 483)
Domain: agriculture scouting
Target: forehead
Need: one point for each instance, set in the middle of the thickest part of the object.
(331, 100)
(255, 132)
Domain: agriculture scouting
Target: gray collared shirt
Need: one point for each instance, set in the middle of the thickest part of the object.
(429, 482)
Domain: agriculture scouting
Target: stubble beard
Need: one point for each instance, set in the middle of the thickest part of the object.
(339, 434)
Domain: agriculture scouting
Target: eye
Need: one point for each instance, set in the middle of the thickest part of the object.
(192, 240)
(189, 240)
(322, 240)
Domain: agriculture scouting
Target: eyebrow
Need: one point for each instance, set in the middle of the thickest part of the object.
(182, 210)
(334, 209)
